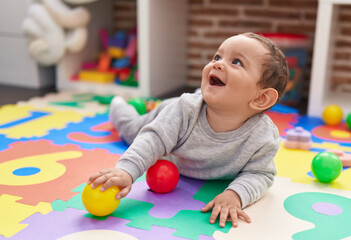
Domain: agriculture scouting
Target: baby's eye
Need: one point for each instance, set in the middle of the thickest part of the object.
(236, 61)
(217, 58)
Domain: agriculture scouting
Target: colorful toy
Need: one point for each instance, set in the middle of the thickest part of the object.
(116, 52)
(326, 166)
(131, 48)
(104, 99)
(151, 104)
(96, 76)
(100, 203)
(117, 63)
(139, 105)
(332, 115)
(89, 65)
(348, 121)
(298, 138)
(162, 177)
(104, 62)
(104, 38)
(345, 158)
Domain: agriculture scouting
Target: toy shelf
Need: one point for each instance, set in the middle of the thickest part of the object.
(320, 96)
(161, 34)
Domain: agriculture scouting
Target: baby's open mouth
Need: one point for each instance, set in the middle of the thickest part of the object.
(215, 81)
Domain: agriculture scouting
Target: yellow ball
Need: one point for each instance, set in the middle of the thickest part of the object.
(100, 203)
(332, 115)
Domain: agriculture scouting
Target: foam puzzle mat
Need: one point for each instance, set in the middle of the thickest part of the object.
(49, 146)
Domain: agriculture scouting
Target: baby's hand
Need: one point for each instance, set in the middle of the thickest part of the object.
(112, 177)
(227, 204)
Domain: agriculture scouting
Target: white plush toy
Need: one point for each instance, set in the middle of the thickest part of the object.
(53, 28)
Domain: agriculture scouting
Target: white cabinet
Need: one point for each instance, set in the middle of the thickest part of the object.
(161, 49)
(320, 96)
(16, 66)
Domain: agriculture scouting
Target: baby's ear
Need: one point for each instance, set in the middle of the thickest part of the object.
(266, 98)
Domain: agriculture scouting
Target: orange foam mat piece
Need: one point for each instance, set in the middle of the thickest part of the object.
(59, 169)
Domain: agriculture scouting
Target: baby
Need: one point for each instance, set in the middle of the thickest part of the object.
(220, 133)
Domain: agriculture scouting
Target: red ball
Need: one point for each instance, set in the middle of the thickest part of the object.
(162, 177)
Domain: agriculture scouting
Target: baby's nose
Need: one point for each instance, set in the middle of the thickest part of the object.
(218, 65)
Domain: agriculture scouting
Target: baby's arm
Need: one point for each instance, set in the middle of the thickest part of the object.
(251, 183)
(156, 139)
(226, 204)
(257, 175)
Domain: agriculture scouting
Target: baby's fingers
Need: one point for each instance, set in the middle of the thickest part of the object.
(215, 212)
(101, 179)
(223, 217)
(208, 206)
(94, 176)
(234, 217)
(244, 216)
(124, 192)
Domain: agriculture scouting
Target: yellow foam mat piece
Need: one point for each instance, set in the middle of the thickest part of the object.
(295, 164)
(50, 169)
(36, 127)
(12, 213)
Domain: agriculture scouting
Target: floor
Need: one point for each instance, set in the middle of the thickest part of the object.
(11, 95)
(50, 146)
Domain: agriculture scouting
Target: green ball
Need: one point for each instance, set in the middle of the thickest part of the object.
(326, 166)
(138, 104)
(348, 121)
(104, 99)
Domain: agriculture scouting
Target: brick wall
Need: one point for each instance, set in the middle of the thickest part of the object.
(212, 21)
(125, 14)
(341, 67)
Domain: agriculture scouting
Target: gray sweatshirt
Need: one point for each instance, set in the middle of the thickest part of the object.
(181, 132)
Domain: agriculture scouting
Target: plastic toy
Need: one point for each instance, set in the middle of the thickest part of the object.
(348, 121)
(104, 62)
(89, 65)
(116, 52)
(121, 63)
(138, 104)
(151, 104)
(131, 48)
(326, 166)
(104, 38)
(96, 76)
(332, 115)
(298, 138)
(117, 62)
(345, 158)
(100, 203)
(104, 99)
(162, 177)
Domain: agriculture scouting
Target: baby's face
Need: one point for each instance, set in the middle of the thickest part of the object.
(230, 79)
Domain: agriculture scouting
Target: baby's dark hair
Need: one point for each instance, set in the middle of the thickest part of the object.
(275, 68)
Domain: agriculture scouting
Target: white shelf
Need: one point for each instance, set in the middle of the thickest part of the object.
(127, 92)
(320, 95)
(161, 49)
